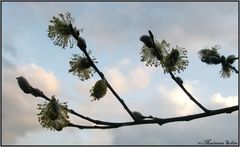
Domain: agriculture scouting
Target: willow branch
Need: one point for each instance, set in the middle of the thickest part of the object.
(174, 78)
(103, 77)
(188, 94)
(109, 86)
(146, 120)
(160, 121)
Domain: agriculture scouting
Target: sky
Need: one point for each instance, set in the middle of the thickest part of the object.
(112, 32)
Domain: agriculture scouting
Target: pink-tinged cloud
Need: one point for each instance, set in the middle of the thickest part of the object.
(20, 109)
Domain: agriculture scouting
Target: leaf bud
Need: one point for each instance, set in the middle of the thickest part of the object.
(24, 85)
(147, 41)
(138, 115)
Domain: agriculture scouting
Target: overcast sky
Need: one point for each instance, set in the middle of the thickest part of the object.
(112, 32)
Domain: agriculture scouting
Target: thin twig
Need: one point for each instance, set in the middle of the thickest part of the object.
(188, 94)
(109, 86)
(103, 77)
(174, 78)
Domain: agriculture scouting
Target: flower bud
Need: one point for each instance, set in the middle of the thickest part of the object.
(24, 85)
(53, 115)
(85, 63)
(179, 80)
(98, 90)
(138, 115)
(81, 43)
(147, 41)
(214, 59)
(174, 54)
(36, 92)
(223, 59)
(231, 59)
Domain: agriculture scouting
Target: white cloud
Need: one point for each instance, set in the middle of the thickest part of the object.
(180, 103)
(136, 78)
(19, 109)
(218, 99)
(39, 77)
(124, 62)
(117, 80)
(67, 137)
(139, 78)
(83, 88)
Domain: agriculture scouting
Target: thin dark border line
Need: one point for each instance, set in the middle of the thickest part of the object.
(1, 76)
(121, 1)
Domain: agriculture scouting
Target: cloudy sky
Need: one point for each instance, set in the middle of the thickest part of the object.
(112, 32)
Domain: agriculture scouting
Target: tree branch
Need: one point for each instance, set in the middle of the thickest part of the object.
(160, 120)
(102, 76)
(145, 120)
(188, 94)
(174, 78)
(109, 86)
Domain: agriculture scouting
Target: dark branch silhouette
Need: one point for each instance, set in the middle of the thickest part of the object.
(54, 115)
(75, 35)
(152, 120)
(160, 121)
(174, 78)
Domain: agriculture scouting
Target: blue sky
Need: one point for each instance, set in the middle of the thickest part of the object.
(112, 32)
